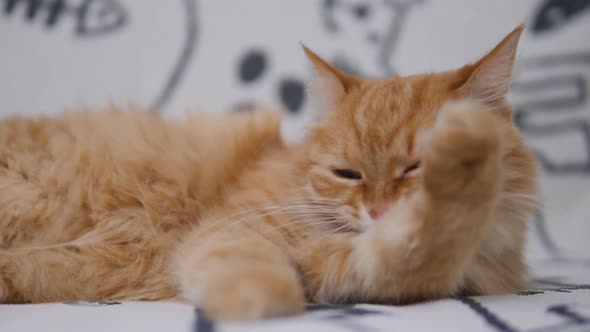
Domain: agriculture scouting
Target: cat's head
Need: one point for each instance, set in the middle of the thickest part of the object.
(364, 153)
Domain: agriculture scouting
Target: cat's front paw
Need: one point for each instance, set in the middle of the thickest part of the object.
(463, 151)
(252, 293)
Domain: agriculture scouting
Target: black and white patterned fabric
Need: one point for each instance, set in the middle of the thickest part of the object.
(559, 303)
(221, 55)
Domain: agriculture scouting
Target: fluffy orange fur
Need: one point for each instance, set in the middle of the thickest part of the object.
(407, 189)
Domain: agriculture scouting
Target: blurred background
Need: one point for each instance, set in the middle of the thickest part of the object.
(221, 55)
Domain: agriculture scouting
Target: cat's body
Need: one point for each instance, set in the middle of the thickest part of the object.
(107, 195)
(397, 195)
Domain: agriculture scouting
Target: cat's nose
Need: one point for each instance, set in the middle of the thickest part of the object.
(377, 211)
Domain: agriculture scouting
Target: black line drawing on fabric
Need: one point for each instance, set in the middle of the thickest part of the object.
(529, 293)
(555, 254)
(570, 315)
(385, 38)
(488, 316)
(567, 312)
(568, 75)
(92, 304)
(567, 109)
(540, 228)
(203, 323)
(572, 318)
(545, 285)
(553, 14)
(102, 17)
(552, 103)
(550, 284)
(253, 66)
(93, 17)
(188, 50)
(343, 315)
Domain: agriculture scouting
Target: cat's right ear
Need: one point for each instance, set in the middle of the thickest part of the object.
(490, 78)
(329, 84)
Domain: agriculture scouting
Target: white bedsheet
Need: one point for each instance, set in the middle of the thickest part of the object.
(558, 301)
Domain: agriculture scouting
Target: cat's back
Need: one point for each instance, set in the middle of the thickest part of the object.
(62, 176)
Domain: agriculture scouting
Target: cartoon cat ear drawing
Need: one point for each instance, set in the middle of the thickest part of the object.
(372, 26)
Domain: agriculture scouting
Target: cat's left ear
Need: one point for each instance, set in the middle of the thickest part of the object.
(329, 84)
(490, 78)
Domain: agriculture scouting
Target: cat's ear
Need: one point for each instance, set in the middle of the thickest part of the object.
(489, 78)
(329, 83)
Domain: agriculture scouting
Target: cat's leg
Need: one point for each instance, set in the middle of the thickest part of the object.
(237, 273)
(423, 248)
(79, 273)
(44, 275)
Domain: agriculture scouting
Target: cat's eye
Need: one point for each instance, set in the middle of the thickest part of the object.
(412, 168)
(348, 174)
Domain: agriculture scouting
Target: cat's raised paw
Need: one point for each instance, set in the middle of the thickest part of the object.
(463, 147)
(253, 293)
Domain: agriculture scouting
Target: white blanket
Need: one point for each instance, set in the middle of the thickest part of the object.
(558, 301)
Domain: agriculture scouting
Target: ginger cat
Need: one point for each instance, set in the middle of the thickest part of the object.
(407, 189)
